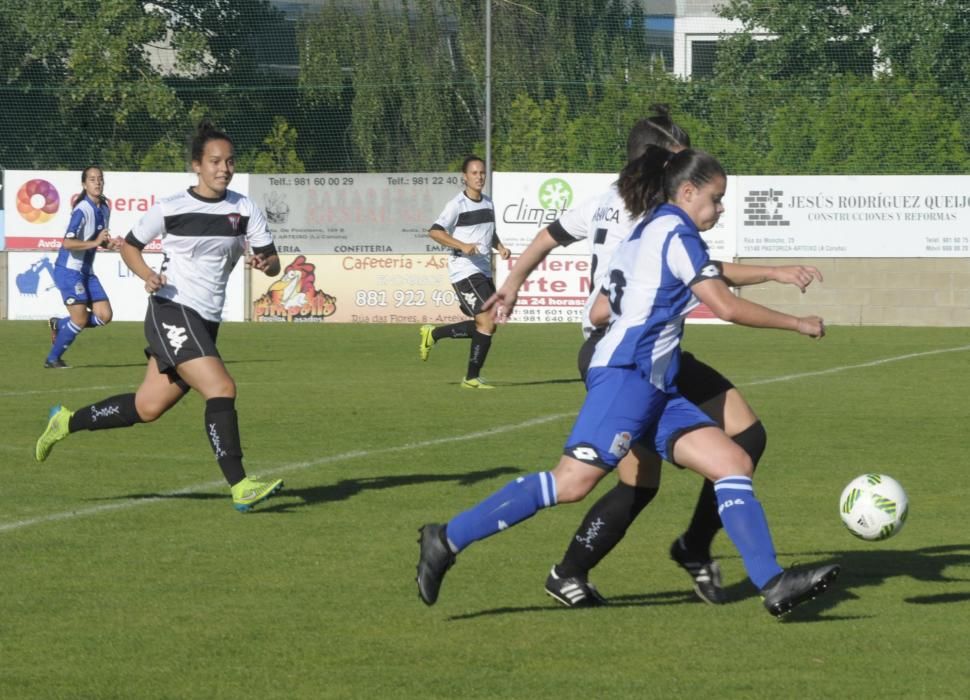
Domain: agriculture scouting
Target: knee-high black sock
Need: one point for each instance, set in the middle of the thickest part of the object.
(114, 412)
(706, 523)
(603, 528)
(477, 354)
(462, 329)
(222, 428)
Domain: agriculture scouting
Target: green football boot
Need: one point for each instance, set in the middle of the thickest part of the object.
(248, 492)
(58, 428)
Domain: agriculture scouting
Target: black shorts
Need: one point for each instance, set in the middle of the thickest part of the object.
(697, 382)
(177, 334)
(472, 293)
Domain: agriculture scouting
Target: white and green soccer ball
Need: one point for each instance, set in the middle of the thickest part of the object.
(874, 506)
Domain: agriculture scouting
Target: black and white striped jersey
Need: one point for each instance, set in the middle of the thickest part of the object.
(202, 240)
(469, 221)
(604, 219)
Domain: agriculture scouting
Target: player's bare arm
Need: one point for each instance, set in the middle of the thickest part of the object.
(503, 301)
(442, 237)
(135, 260)
(801, 276)
(727, 307)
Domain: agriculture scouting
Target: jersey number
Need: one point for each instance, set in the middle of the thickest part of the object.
(617, 284)
(599, 237)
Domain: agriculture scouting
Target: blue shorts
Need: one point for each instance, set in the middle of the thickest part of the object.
(77, 287)
(623, 407)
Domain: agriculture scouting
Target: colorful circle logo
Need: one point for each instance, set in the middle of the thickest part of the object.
(555, 193)
(38, 201)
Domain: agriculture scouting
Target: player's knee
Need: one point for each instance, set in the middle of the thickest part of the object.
(486, 326)
(149, 411)
(574, 480)
(104, 317)
(753, 440)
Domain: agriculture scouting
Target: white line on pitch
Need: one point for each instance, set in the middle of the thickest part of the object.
(861, 365)
(299, 466)
(286, 468)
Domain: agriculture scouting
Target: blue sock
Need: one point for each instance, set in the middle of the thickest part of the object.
(66, 333)
(513, 503)
(745, 523)
(94, 321)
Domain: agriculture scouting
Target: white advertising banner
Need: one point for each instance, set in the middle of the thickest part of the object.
(854, 216)
(37, 203)
(31, 293)
(525, 203)
(354, 213)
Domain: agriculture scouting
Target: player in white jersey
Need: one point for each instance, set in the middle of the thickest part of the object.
(467, 226)
(86, 301)
(204, 230)
(605, 221)
(655, 278)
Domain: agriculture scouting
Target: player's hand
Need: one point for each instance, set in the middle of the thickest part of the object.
(812, 326)
(104, 238)
(117, 243)
(256, 262)
(799, 275)
(154, 282)
(503, 252)
(469, 248)
(501, 304)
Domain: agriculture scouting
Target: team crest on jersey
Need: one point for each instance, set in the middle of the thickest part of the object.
(621, 445)
(234, 220)
(79, 288)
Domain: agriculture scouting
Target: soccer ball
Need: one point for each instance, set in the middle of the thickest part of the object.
(874, 506)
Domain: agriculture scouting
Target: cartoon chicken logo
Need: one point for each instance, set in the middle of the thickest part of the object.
(294, 296)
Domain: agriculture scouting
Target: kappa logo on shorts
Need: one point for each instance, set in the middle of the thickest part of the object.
(621, 445)
(176, 336)
(470, 299)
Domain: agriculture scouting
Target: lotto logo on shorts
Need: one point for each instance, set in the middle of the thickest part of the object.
(584, 454)
(621, 445)
(176, 336)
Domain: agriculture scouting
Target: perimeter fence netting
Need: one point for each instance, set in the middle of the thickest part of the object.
(770, 86)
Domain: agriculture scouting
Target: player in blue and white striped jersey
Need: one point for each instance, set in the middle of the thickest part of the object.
(86, 301)
(204, 231)
(656, 277)
(467, 227)
(604, 220)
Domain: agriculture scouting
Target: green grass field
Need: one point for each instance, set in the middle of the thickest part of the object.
(125, 572)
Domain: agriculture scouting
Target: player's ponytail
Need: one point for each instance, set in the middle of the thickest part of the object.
(204, 133)
(656, 130)
(696, 167)
(641, 180)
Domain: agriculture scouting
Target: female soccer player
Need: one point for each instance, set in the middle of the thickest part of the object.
(85, 298)
(204, 232)
(605, 220)
(655, 279)
(467, 226)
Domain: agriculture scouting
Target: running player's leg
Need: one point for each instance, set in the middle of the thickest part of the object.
(68, 329)
(617, 406)
(478, 289)
(156, 394)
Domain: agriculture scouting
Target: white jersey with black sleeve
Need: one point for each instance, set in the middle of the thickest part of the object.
(202, 240)
(469, 221)
(649, 282)
(604, 218)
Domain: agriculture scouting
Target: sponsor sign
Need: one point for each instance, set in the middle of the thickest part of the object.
(525, 203)
(854, 216)
(37, 204)
(356, 289)
(353, 214)
(31, 293)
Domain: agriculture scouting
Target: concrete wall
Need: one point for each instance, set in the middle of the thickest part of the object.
(876, 291)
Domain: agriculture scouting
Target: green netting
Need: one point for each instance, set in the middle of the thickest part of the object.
(864, 86)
